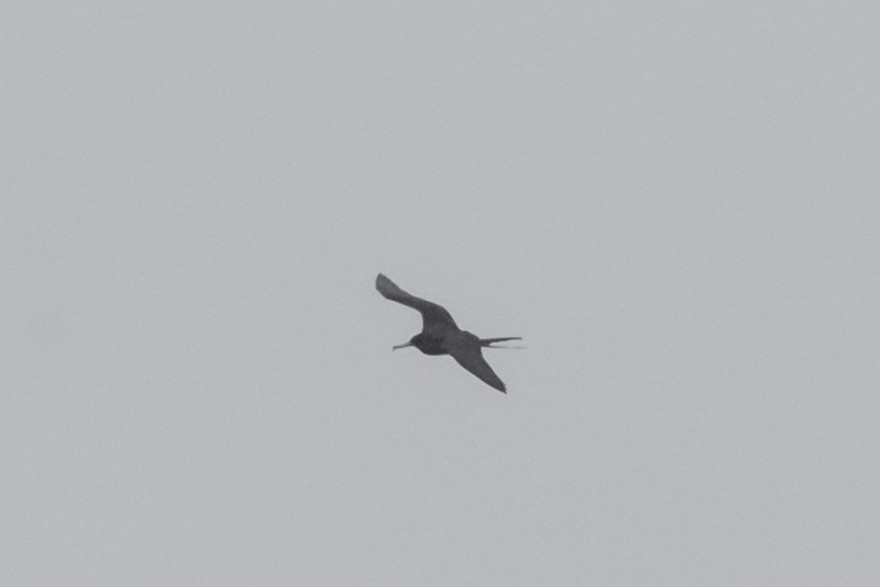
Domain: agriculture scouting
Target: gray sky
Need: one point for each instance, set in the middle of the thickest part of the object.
(675, 204)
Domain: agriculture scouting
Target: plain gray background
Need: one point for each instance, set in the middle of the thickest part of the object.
(674, 203)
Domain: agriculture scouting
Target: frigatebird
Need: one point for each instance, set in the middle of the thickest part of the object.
(441, 336)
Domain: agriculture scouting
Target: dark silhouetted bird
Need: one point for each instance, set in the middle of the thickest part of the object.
(441, 336)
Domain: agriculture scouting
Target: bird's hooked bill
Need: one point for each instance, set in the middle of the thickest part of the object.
(401, 346)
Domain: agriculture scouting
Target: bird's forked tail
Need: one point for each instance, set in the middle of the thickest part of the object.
(488, 342)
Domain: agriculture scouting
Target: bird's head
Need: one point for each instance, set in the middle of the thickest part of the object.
(403, 345)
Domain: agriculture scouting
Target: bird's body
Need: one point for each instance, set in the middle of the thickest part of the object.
(441, 336)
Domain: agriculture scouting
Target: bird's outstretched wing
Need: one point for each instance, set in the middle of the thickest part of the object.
(465, 348)
(435, 319)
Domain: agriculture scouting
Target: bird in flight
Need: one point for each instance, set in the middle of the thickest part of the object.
(441, 336)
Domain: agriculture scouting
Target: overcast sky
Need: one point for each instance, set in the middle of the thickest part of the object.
(676, 204)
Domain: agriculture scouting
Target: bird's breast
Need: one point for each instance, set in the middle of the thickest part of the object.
(430, 345)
